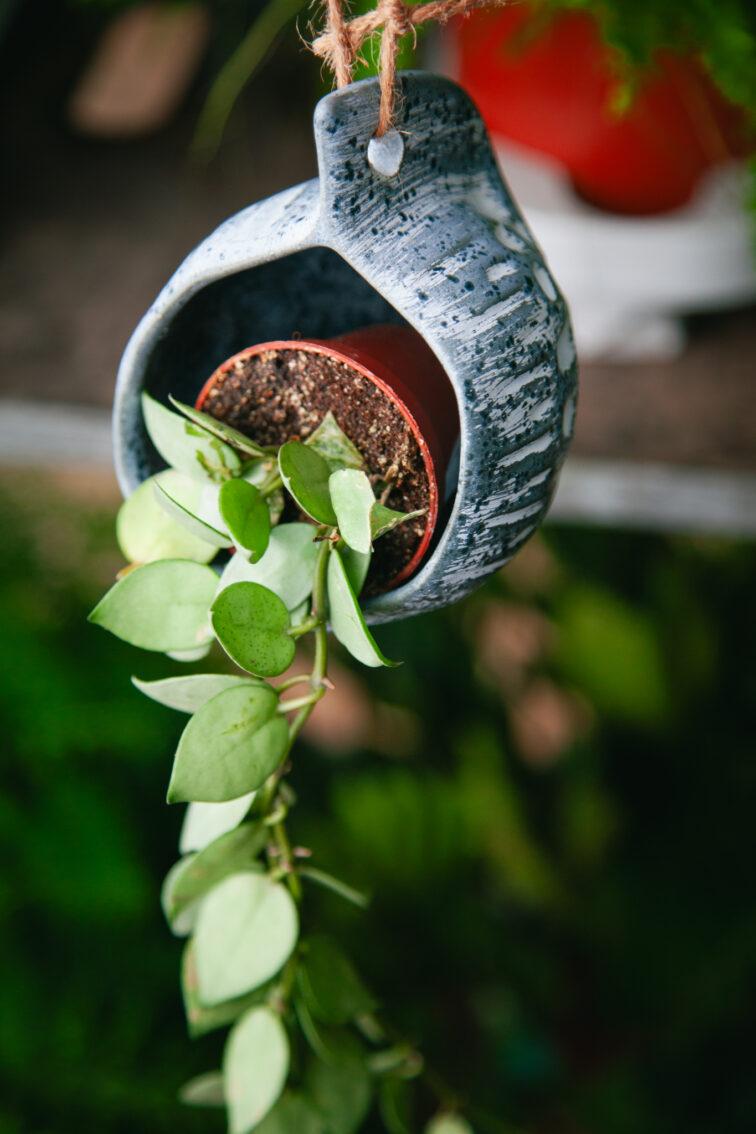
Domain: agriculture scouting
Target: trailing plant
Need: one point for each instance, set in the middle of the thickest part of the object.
(306, 1053)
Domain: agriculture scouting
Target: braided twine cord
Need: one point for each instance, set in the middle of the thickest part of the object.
(339, 45)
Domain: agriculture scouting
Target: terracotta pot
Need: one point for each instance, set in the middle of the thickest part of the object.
(398, 361)
(548, 81)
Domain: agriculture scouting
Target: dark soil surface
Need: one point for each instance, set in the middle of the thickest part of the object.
(283, 395)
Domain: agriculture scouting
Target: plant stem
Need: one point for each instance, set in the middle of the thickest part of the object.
(336, 886)
(301, 702)
(305, 705)
(270, 484)
(305, 627)
(287, 859)
(236, 71)
(290, 681)
(320, 612)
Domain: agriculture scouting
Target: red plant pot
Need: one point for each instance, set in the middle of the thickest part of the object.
(548, 82)
(398, 361)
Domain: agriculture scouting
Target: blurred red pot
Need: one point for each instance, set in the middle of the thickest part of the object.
(549, 82)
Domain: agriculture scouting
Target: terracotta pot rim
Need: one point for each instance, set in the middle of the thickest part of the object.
(318, 346)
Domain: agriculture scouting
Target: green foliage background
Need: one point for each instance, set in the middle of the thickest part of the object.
(573, 943)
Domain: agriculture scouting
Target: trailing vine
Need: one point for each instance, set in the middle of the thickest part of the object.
(305, 1053)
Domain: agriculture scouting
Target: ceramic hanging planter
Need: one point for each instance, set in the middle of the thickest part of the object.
(385, 389)
(416, 231)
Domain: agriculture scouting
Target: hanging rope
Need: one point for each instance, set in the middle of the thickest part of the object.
(339, 45)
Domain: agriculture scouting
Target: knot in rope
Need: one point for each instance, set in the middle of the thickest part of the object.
(340, 43)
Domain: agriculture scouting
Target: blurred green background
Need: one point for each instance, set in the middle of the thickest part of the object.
(551, 803)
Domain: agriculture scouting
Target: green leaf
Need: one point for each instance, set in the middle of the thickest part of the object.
(255, 1067)
(292, 1114)
(194, 655)
(160, 606)
(341, 1088)
(356, 566)
(395, 1106)
(205, 822)
(204, 1090)
(192, 877)
(246, 515)
(310, 1030)
(286, 568)
(252, 623)
(352, 499)
(305, 475)
(202, 1018)
(146, 533)
(448, 1124)
(219, 429)
(229, 747)
(384, 519)
(187, 447)
(182, 923)
(185, 516)
(329, 984)
(336, 886)
(330, 441)
(246, 931)
(188, 694)
(347, 621)
(258, 472)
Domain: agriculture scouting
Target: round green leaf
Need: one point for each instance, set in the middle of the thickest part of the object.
(305, 474)
(246, 516)
(384, 519)
(204, 1090)
(186, 446)
(347, 620)
(185, 515)
(448, 1124)
(329, 984)
(256, 473)
(193, 655)
(160, 606)
(252, 623)
(145, 532)
(180, 922)
(246, 931)
(201, 1018)
(292, 1114)
(219, 429)
(187, 694)
(330, 441)
(229, 747)
(395, 1106)
(255, 1067)
(341, 1088)
(192, 877)
(286, 568)
(205, 822)
(353, 500)
(356, 566)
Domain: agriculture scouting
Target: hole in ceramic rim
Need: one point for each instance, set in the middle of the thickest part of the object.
(385, 154)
